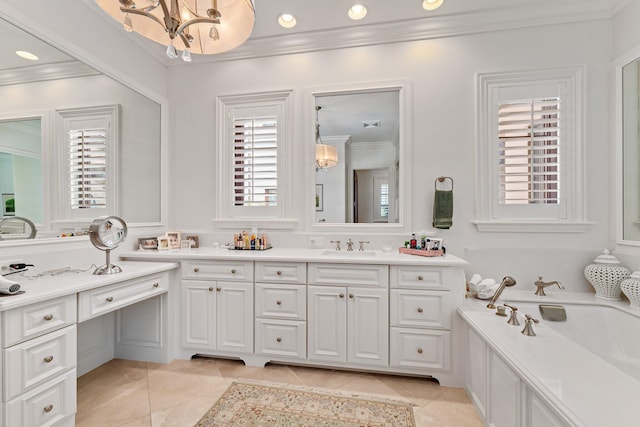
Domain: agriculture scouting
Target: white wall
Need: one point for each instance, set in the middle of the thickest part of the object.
(442, 134)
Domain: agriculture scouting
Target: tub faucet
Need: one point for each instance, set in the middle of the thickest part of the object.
(507, 281)
(540, 285)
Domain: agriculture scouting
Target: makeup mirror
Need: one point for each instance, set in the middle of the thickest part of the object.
(106, 234)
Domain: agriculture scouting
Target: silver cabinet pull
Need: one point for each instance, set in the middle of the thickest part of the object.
(48, 359)
(210, 289)
(279, 273)
(218, 289)
(341, 295)
(48, 408)
(279, 302)
(279, 339)
(419, 350)
(351, 296)
(155, 285)
(109, 299)
(233, 271)
(420, 310)
(48, 317)
(195, 270)
(420, 278)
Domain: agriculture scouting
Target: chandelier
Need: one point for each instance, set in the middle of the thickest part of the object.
(326, 155)
(192, 26)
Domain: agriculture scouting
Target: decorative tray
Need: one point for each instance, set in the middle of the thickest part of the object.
(237, 248)
(421, 252)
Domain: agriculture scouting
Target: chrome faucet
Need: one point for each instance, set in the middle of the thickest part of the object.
(540, 285)
(349, 245)
(506, 281)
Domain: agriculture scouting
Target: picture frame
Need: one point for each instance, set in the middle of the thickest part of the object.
(174, 239)
(163, 243)
(319, 198)
(148, 243)
(185, 244)
(435, 244)
(8, 204)
(195, 241)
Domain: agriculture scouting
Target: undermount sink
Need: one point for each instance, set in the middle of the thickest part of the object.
(356, 254)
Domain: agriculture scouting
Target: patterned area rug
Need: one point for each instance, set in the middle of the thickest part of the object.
(257, 403)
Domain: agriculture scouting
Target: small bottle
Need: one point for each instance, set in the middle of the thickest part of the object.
(413, 241)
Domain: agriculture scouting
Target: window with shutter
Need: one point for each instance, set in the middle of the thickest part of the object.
(529, 151)
(253, 149)
(88, 168)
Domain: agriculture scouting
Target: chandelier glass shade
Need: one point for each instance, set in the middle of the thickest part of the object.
(326, 155)
(198, 26)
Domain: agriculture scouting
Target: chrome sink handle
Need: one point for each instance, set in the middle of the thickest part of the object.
(528, 326)
(362, 242)
(349, 245)
(513, 319)
(337, 242)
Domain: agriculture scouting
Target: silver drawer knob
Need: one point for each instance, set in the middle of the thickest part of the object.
(351, 296)
(279, 273)
(195, 270)
(341, 295)
(420, 310)
(218, 289)
(109, 299)
(48, 408)
(48, 317)
(420, 278)
(233, 271)
(419, 350)
(155, 285)
(210, 289)
(48, 359)
(279, 339)
(279, 302)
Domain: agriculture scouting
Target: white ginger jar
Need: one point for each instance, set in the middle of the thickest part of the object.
(605, 275)
(631, 288)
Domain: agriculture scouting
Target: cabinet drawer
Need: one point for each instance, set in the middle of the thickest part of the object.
(281, 338)
(422, 309)
(349, 274)
(417, 348)
(96, 302)
(237, 271)
(281, 272)
(24, 323)
(281, 302)
(418, 277)
(36, 361)
(46, 405)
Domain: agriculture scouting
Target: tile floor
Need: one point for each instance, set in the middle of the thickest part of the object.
(136, 394)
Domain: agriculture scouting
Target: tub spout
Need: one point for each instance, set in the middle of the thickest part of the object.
(507, 281)
(540, 285)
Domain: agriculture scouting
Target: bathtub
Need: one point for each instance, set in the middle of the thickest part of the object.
(584, 371)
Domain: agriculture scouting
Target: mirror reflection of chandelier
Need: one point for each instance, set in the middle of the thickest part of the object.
(193, 26)
(326, 155)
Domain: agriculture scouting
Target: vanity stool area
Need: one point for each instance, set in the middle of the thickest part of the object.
(373, 311)
(49, 336)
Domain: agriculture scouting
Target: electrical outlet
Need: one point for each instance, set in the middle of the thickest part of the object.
(4, 264)
(316, 242)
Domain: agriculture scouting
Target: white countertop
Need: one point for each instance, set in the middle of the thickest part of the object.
(296, 255)
(576, 382)
(48, 286)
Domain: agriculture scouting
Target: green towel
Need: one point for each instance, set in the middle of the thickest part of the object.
(443, 209)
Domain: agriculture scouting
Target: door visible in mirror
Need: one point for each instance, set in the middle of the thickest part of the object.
(364, 126)
(631, 151)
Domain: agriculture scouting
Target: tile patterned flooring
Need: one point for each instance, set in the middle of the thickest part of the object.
(137, 394)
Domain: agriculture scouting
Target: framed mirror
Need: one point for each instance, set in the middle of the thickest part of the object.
(31, 158)
(365, 184)
(631, 151)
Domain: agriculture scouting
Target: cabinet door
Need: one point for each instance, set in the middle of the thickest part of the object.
(198, 314)
(234, 317)
(327, 323)
(504, 394)
(368, 326)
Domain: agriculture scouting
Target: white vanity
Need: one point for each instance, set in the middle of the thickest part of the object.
(40, 337)
(374, 311)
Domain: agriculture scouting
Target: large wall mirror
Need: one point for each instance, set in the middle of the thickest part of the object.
(364, 184)
(31, 157)
(631, 151)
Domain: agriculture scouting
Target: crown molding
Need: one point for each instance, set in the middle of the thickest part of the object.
(530, 15)
(44, 72)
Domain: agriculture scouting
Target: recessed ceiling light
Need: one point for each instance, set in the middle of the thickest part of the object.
(357, 11)
(26, 55)
(431, 4)
(287, 20)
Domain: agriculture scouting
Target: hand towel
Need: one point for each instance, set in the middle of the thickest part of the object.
(443, 209)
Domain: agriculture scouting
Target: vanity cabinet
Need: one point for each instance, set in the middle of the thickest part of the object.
(217, 306)
(281, 310)
(420, 318)
(348, 323)
(39, 363)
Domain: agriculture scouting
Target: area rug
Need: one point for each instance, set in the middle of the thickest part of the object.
(258, 403)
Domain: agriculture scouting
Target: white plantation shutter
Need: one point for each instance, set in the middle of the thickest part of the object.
(529, 151)
(88, 167)
(255, 161)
